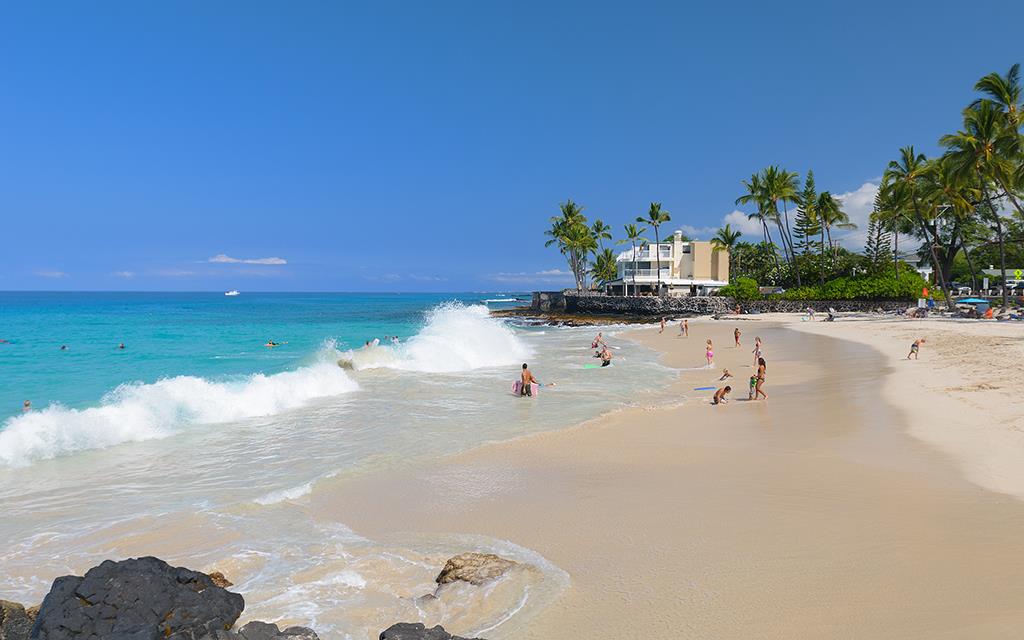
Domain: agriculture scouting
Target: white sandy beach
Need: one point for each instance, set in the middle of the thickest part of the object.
(825, 512)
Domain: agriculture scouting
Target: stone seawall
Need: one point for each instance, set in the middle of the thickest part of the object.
(558, 302)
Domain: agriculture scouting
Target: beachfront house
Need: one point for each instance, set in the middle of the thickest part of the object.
(688, 268)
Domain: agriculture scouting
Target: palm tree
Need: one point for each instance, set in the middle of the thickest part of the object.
(634, 234)
(573, 237)
(893, 219)
(726, 239)
(987, 149)
(781, 186)
(603, 269)
(656, 217)
(756, 195)
(906, 174)
(830, 216)
(601, 232)
(1005, 91)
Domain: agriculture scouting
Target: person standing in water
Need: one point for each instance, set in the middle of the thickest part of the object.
(736, 335)
(757, 349)
(914, 348)
(525, 382)
(762, 369)
(26, 406)
(710, 353)
(662, 330)
(120, 346)
(684, 328)
(606, 357)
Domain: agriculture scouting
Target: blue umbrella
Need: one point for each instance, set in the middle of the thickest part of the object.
(973, 301)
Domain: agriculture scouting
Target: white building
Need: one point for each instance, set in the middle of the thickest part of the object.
(687, 268)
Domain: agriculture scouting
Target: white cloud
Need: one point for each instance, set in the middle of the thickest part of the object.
(740, 222)
(221, 258)
(427, 278)
(698, 233)
(857, 204)
(553, 276)
(175, 273)
(383, 277)
(124, 274)
(51, 274)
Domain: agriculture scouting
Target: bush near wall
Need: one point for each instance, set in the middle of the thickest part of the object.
(874, 287)
(741, 289)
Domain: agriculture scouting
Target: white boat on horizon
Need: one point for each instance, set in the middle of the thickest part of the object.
(233, 292)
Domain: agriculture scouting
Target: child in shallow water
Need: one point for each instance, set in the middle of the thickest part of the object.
(710, 354)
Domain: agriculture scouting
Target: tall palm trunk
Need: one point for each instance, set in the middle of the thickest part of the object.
(896, 252)
(792, 247)
(768, 240)
(821, 227)
(933, 240)
(657, 255)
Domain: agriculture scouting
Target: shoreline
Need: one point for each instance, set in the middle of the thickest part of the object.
(574, 494)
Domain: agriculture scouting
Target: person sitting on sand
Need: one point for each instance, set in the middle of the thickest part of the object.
(725, 374)
(526, 380)
(720, 395)
(762, 369)
(736, 333)
(710, 353)
(914, 348)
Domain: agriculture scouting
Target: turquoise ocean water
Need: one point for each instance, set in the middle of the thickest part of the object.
(196, 431)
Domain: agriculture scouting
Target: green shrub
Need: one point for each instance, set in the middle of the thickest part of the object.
(868, 287)
(742, 289)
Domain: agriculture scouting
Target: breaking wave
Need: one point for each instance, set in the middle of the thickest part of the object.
(455, 338)
(137, 411)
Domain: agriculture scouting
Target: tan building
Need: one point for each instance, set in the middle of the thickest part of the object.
(687, 269)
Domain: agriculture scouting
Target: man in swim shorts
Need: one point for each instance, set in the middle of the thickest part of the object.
(525, 381)
(720, 395)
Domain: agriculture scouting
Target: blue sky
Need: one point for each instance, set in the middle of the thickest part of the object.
(424, 145)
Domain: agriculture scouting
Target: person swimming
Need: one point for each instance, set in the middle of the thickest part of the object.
(26, 406)
(271, 343)
(120, 346)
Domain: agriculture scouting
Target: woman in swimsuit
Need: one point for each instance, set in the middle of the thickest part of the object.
(757, 349)
(761, 369)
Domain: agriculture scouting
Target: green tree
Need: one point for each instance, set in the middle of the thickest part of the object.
(878, 247)
(603, 269)
(601, 232)
(756, 195)
(780, 186)
(569, 231)
(805, 224)
(830, 216)
(987, 149)
(634, 235)
(906, 175)
(656, 217)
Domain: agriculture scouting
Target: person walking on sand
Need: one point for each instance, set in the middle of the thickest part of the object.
(762, 369)
(710, 353)
(914, 348)
(720, 395)
(736, 335)
(757, 349)
(662, 330)
(525, 382)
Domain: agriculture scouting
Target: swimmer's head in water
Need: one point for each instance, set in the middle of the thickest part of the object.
(524, 365)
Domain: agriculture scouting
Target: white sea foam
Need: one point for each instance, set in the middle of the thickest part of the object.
(137, 411)
(292, 493)
(455, 338)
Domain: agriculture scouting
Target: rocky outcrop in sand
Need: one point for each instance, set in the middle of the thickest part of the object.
(136, 599)
(264, 631)
(417, 631)
(15, 621)
(474, 568)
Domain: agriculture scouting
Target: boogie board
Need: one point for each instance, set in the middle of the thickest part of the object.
(596, 366)
(517, 388)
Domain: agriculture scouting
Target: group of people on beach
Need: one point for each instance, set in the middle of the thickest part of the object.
(756, 388)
